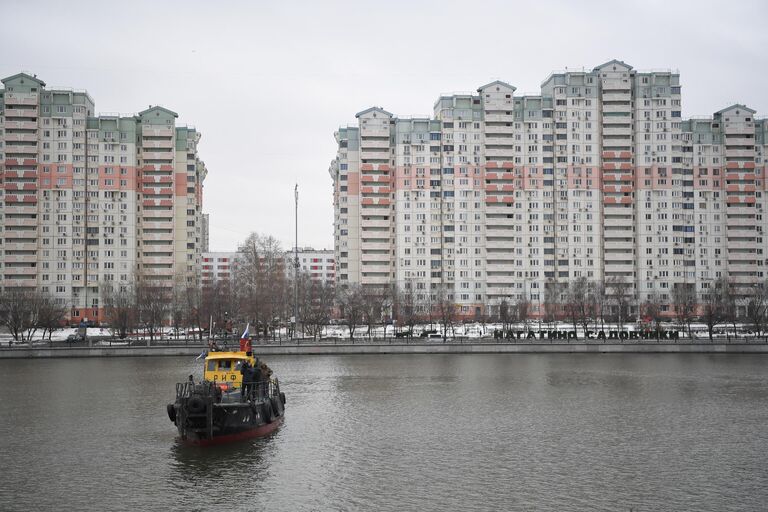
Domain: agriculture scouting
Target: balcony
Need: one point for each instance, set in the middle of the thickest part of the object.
(375, 144)
(21, 283)
(157, 260)
(157, 236)
(617, 221)
(21, 125)
(148, 130)
(375, 178)
(495, 128)
(501, 244)
(507, 154)
(157, 144)
(24, 246)
(614, 95)
(617, 108)
(491, 140)
(14, 221)
(375, 223)
(500, 118)
(157, 155)
(20, 271)
(157, 225)
(21, 208)
(618, 131)
(25, 149)
(374, 246)
(20, 112)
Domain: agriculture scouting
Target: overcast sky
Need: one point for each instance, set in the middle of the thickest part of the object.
(267, 83)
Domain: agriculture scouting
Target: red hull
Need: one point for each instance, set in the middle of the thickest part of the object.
(261, 431)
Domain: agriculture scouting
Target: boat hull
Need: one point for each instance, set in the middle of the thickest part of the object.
(192, 439)
(204, 415)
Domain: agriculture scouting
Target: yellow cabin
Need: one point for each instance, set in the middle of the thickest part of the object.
(225, 367)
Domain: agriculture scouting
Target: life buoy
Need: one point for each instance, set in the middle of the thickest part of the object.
(195, 405)
(171, 412)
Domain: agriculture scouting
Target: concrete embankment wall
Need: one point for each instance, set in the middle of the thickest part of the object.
(411, 348)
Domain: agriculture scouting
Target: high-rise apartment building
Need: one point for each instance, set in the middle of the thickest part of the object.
(91, 200)
(503, 196)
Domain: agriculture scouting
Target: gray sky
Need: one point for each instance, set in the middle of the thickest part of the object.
(267, 83)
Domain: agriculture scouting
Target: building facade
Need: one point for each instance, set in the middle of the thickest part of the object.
(218, 266)
(92, 200)
(499, 196)
(320, 264)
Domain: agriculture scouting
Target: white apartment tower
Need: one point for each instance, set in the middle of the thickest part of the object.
(89, 200)
(501, 196)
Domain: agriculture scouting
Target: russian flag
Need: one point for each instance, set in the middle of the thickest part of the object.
(245, 342)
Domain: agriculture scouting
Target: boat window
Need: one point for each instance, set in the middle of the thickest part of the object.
(211, 366)
(225, 364)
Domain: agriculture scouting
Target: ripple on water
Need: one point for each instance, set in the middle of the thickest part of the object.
(388, 432)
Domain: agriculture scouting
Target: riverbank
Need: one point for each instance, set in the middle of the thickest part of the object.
(395, 348)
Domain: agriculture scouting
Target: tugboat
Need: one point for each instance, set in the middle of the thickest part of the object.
(238, 398)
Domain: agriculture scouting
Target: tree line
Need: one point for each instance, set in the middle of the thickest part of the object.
(265, 294)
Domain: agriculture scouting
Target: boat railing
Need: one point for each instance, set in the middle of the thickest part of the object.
(190, 387)
(263, 389)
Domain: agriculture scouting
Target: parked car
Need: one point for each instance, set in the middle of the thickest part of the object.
(74, 338)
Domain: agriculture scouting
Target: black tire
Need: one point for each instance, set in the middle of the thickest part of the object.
(276, 405)
(196, 405)
(171, 412)
(282, 397)
(266, 412)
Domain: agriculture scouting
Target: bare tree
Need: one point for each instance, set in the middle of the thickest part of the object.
(504, 314)
(621, 298)
(196, 315)
(522, 310)
(652, 310)
(713, 310)
(446, 309)
(262, 281)
(757, 307)
(374, 301)
(601, 303)
(684, 301)
(51, 315)
(19, 309)
(581, 303)
(153, 300)
(315, 301)
(351, 303)
(551, 302)
(407, 307)
(177, 305)
(119, 307)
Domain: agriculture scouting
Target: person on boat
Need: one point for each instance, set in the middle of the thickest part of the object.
(212, 346)
(247, 372)
(266, 373)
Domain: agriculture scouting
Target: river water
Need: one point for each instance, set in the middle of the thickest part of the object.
(399, 432)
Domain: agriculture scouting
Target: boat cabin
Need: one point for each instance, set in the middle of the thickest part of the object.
(225, 367)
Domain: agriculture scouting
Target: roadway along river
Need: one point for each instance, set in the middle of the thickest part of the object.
(397, 432)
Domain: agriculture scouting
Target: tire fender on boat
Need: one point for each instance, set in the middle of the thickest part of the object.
(171, 412)
(282, 397)
(266, 411)
(275, 405)
(195, 405)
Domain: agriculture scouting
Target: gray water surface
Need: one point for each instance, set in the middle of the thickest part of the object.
(399, 432)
